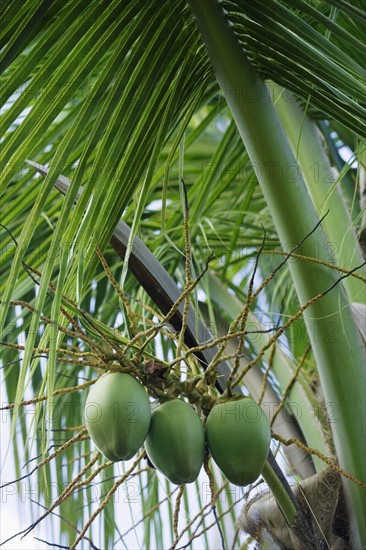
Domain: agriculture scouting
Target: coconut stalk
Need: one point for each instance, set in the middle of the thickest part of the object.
(336, 343)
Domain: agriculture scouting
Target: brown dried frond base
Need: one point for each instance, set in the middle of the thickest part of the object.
(322, 501)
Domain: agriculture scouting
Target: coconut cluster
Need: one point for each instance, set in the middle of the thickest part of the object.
(119, 420)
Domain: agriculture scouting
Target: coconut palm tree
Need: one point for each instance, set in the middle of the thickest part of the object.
(183, 199)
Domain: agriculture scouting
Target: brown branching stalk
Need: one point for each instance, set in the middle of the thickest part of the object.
(120, 356)
(288, 255)
(77, 334)
(78, 437)
(201, 514)
(214, 523)
(212, 491)
(243, 322)
(119, 291)
(316, 261)
(67, 522)
(290, 321)
(105, 501)
(150, 333)
(150, 512)
(290, 385)
(176, 516)
(73, 485)
(315, 452)
(56, 392)
(266, 373)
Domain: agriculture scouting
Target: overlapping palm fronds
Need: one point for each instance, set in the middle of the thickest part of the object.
(122, 99)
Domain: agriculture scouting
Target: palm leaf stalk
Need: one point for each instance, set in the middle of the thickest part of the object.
(294, 216)
(321, 182)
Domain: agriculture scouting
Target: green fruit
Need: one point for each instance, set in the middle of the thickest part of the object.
(238, 435)
(176, 441)
(117, 415)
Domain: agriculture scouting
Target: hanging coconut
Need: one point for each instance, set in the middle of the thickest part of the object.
(175, 443)
(238, 435)
(117, 415)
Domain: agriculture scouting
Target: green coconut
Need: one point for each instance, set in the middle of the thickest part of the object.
(117, 415)
(238, 436)
(176, 441)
